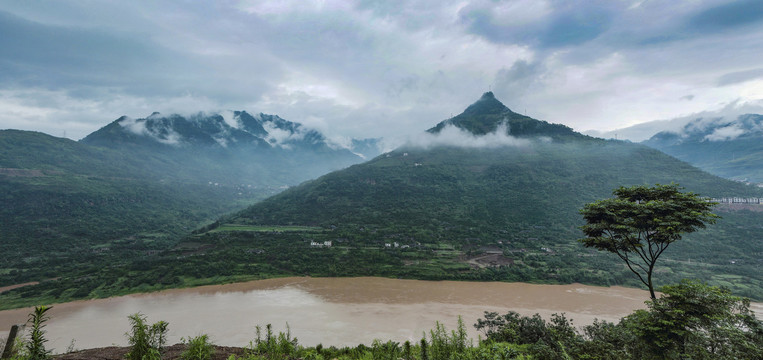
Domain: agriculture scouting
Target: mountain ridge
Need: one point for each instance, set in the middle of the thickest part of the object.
(731, 148)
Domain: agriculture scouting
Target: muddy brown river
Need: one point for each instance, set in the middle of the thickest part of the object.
(331, 311)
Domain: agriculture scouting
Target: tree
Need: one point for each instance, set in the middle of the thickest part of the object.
(641, 222)
(697, 321)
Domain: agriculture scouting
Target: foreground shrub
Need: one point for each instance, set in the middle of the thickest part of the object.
(146, 342)
(198, 348)
(36, 345)
(698, 321)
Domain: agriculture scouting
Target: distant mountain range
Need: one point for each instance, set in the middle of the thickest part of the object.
(232, 147)
(731, 148)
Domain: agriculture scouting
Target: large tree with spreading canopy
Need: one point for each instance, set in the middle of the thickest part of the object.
(640, 222)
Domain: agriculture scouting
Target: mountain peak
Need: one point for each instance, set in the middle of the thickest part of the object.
(488, 114)
(487, 105)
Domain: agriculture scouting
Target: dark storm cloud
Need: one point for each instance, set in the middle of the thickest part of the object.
(35, 54)
(740, 77)
(566, 24)
(728, 16)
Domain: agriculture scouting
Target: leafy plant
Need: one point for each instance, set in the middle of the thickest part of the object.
(36, 345)
(198, 348)
(275, 346)
(145, 341)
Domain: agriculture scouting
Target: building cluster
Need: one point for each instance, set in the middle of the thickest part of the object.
(737, 200)
(320, 244)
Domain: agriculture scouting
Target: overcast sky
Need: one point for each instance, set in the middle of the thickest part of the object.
(375, 68)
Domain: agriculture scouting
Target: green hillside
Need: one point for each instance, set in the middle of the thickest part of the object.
(506, 213)
(69, 208)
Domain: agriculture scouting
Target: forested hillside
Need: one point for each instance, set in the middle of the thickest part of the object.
(495, 213)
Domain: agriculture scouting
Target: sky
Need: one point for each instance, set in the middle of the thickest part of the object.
(377, 68)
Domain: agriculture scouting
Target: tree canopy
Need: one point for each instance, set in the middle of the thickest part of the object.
(640, 222)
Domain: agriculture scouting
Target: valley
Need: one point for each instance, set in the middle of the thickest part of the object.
(504, 212)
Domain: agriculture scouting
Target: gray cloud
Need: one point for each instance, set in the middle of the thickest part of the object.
(518, 80)
(740, 76)
(552, 25)
(727, 16)
(369, 68)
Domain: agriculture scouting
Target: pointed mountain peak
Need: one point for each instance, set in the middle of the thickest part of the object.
(488, 114)
(487, 95)
(487, 105)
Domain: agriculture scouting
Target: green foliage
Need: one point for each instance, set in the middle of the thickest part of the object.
(20, 350)
(691, 320)
(198, 348)
(36, 344)
(443, 346)
(146, 342)
(698, 321)
(641, 222)
(273, 346)
(546, 340)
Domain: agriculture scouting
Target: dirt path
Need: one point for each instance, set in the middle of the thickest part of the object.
(11, 287)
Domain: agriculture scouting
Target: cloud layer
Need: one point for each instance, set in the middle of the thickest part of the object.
(369, 68)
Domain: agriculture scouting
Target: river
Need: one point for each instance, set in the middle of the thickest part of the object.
(331, 311)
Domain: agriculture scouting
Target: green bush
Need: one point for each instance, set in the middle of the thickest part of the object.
(198, 348)
(145, 341)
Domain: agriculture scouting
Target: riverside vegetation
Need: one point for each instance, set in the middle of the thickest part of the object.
(690, 320)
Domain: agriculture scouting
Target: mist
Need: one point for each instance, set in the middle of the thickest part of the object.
(693, 123)
(456, 137)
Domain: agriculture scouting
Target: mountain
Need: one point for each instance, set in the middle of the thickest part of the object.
(62, 199)
(230, 147)
(505, 211)
(488, 115)
(492, 213)
(134, 187)
(731, 148)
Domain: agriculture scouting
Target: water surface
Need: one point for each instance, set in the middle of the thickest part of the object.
(331, 311)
